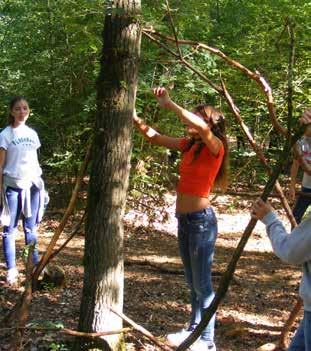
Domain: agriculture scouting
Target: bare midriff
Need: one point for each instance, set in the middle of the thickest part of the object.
(190, 203)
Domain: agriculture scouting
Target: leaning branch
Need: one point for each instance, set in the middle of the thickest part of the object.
(259, 153)
(256, 76)
(291, 61)
(69, 210)
(228, 275)
(71, 332)
(142, 330)
(173, 28)
(72, 234)
(186, 63)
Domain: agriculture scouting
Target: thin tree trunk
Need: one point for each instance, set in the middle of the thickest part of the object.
(103, 260)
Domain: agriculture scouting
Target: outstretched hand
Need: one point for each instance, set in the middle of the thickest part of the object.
(306, 117)
(260, 209)
(135, 117)
(162, 96)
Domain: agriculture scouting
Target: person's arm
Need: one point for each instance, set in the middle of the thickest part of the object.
(153, 136)
(293, 178)
(192, 120)
(2, 160)
(294, 248)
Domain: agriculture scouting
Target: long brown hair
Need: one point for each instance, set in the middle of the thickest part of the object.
(14, 101)
(216, 120)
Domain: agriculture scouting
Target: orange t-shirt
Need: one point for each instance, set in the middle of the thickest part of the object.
(197, 176)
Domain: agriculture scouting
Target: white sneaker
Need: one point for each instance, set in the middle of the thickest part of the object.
(11, 276)
(203, 345)
(177, 338)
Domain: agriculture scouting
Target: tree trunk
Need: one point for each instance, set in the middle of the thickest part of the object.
(103, 258)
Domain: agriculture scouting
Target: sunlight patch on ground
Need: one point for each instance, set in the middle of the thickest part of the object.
(235, 224)
(156, 259)
(241, 323)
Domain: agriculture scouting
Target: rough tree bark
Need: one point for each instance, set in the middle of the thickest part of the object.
(103, 258)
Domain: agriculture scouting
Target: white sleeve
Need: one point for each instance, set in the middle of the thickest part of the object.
(4, 142)
(37, 141)
(293, 248)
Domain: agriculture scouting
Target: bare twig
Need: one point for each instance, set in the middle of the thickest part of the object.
(66, 216)
(142, 330)
(72, 332)
(259, 153)
(291, 60)
(290, 74)
(72, 234)
(186, 63)
(173, 29)
(283, 344)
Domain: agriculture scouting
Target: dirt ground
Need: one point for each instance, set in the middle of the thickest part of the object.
(258, 301)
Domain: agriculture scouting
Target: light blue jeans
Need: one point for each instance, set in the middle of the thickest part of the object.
(29, 224)
(197, 232)
(302, 339)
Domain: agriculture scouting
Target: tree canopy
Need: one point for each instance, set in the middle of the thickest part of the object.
(50, 54)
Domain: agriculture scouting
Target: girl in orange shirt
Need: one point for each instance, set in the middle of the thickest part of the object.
(203, 165)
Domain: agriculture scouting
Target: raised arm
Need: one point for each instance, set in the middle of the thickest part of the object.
(190, 119)
(153, 136)
(293, 248)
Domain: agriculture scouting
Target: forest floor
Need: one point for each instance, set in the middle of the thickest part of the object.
(260, 296)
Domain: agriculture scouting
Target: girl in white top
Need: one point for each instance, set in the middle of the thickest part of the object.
(22, 188)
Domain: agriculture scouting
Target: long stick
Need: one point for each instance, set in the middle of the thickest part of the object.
(72, 234)
(256, 76)
(291, 60)
(142, 330)
(65, 218)
(288, 324)
(259, 153)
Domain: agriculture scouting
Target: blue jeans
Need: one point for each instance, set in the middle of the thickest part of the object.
(301, 205)
(302, 338)
(29, 224)
(197, 232)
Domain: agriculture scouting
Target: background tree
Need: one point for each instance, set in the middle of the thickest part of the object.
(116, 86)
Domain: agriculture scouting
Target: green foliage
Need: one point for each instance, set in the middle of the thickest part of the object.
(50, 55)
(58, 347)
(252, 33)
(48, 286)
(26, 251)
(51, 52)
